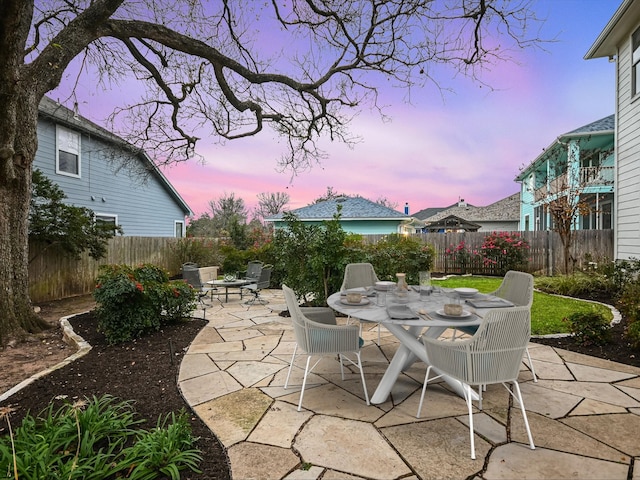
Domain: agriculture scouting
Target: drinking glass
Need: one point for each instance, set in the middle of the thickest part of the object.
(425, 285)
(381, 298)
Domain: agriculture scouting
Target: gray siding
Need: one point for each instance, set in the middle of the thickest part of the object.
(142, 203)
(627, 203)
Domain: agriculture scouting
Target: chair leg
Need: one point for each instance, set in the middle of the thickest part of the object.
(341, 366)
(364, 384)
(424, 388)
(293, 357)
(304, 382)
(531, 367)
(378, 334)
(467, 397)
(516, 387)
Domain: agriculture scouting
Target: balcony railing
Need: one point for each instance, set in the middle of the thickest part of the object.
(588, 177)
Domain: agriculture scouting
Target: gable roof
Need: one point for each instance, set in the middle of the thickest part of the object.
(353, 208)
(603, 126)
(506, 209)
(621, 23)
(429, 212)
(64, 116)
(452, 221)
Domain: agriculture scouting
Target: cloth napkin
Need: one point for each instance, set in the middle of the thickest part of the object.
(401, 312)
(490, 302)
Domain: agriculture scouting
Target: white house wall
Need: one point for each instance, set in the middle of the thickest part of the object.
(142, 209)
(627, 203)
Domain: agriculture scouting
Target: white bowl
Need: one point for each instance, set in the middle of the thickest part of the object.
(466, 292)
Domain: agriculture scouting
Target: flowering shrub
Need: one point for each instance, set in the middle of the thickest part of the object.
(589, 328)
(504, 251)
(133, 301)
(464, 258)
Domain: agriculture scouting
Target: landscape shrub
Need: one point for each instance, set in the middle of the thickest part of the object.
(134, 301)
(504, 251)
(464, 258)
(629, 306)
(399, 253)
(589, 328)
(578, 284)
(94, 440)
(204, 252)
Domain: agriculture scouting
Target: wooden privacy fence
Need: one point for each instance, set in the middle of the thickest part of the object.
(53, 276)
(545, 253)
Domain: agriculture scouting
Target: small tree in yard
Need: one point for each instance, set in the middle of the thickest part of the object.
(70, 229)
(205, 70)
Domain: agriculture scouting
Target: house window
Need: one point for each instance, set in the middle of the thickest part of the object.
(179, 229)
(635, 63)
(106, 219)
(526, 223)
(67, 152)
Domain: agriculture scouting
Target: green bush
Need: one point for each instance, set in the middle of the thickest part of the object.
(589, 328)
(399, 253)
(204, 252)
(629, 305)
(579, 284)
(505, 251)
(95, 440)
(134, 301)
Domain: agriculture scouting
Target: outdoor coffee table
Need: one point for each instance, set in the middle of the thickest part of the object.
(408, 333)
(227, 284)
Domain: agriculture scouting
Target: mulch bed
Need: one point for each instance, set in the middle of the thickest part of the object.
(144, 371)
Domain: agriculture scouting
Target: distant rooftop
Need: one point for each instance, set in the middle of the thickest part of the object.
(352, 208)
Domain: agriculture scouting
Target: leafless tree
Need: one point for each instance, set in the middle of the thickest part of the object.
(270, 204)
(228, 70)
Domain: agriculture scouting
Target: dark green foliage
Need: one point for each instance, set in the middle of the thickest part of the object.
(70, 229)
(204, 252)
(97, 440)
(400, 253)
(133, 301)
(589, 328)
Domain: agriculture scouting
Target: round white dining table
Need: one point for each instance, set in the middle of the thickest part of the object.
(408, 331)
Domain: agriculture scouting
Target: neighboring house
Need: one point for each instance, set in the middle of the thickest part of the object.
(579, 164)
(99, 170)
(500, 216)
(620, 41)
(357, 215)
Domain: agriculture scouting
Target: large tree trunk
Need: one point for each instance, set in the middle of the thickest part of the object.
(19, 99)
(19, 113)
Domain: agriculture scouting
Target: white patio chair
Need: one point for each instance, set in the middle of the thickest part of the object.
(492, 355)
(321, 337)
(517, 287)
(359, 275)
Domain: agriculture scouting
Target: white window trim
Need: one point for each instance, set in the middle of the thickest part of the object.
(59, 130)
(106, 215)
(178, 222)
(635, 60)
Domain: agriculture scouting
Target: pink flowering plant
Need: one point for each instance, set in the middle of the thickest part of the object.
(504, 251)
(464, 258)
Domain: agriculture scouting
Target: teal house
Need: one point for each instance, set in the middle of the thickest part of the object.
(579, 164)
(357, 215)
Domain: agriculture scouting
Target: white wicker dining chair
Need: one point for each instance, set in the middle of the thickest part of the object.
(321, 338)
(517, 287)
(492, 355)
(359, 275)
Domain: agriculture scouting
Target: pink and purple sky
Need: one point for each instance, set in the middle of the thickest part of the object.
(467, 144)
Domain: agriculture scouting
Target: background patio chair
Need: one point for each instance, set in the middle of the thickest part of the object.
(517, 287)
(262, 282)
(254, 267)
(359, 275)
(321, 338)
(191, 275)
(492, 355)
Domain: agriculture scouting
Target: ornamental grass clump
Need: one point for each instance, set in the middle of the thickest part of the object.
(97, 439)
(135, 301)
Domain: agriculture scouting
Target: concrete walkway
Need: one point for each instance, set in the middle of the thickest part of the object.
(584, 412)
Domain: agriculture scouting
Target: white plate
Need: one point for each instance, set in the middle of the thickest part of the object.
(384, 285)
(364, 301)
(466, 292)
(464, 314)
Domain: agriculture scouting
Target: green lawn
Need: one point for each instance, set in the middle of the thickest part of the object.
(547, 311)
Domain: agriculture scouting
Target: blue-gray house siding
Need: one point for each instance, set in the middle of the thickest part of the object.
(114, 180)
